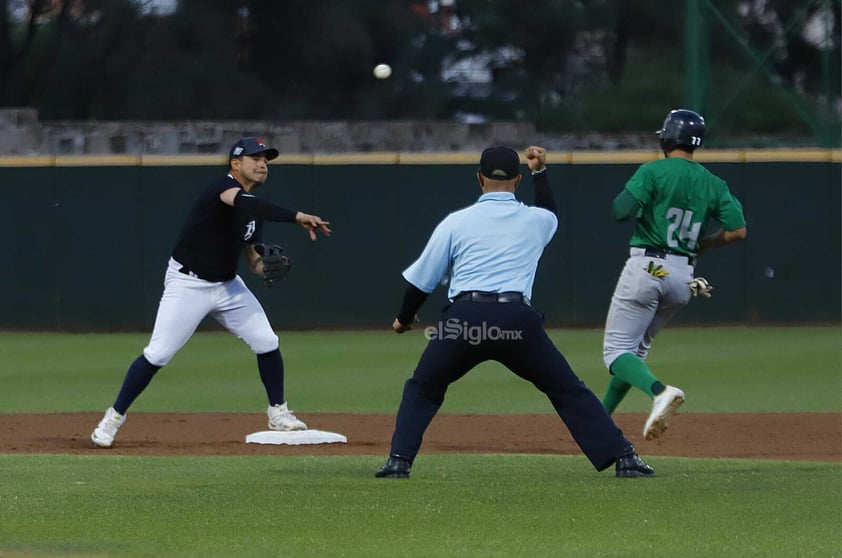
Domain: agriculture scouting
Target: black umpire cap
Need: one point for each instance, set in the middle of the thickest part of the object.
(499, 163)
(252, 146)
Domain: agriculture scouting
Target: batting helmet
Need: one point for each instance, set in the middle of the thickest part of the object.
(683, 128)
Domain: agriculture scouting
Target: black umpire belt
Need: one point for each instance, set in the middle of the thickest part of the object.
(480, 296)
(662, 254)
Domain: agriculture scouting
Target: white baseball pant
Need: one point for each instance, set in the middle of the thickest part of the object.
(643, 304)
(187, 300)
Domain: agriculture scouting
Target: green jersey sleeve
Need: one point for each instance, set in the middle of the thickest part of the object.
(729, 210)
(642, 185)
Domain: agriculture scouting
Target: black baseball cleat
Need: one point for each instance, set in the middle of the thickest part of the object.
(395, 468)
(631, 465)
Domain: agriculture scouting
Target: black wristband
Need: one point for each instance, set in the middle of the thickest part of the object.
(413, 298)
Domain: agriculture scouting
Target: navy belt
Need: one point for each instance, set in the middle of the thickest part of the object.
(480, 296)
(662, 254)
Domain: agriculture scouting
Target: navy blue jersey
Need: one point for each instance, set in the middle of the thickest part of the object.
(214, 234)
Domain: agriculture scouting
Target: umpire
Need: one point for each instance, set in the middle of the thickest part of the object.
(491, 250)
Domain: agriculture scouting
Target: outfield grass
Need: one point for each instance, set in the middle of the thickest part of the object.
(455, 505)
(460, 506)
(721, 369)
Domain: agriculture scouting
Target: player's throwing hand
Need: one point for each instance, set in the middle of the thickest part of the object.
(311, 223)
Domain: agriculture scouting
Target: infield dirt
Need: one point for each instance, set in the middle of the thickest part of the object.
(786, 436)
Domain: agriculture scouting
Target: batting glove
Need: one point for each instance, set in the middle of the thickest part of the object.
(656, 271)
(700, 286)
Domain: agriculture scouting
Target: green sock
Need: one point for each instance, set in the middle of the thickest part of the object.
(617, 390)
(634, 371)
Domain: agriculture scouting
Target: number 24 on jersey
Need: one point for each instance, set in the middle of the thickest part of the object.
(682, 228)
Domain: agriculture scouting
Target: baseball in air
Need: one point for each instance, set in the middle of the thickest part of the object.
(382, 71)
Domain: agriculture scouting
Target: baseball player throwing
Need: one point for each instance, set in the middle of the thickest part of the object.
(201, 279)
(673, 199)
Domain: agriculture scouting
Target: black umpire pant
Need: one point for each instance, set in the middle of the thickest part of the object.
(512, 334)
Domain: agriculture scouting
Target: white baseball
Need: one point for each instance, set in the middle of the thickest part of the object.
(382, 71)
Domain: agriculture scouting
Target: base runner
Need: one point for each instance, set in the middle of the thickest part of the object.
(673, 199)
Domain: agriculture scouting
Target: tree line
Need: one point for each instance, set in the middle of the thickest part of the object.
(565, 64)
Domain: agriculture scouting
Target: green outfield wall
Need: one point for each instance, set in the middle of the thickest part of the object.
(86, 239)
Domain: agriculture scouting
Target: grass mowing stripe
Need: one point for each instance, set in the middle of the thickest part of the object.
(490, 505)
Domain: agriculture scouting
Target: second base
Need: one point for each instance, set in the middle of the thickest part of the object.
(295, 437)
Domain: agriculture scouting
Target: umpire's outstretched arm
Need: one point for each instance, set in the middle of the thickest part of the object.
(536, 159)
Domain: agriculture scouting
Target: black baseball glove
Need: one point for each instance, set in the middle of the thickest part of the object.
(275, 261)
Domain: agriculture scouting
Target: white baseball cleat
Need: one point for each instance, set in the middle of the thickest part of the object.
(281, 418)
(663, 406)
(103, 435)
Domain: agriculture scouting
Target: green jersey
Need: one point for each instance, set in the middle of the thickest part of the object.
(677, 197)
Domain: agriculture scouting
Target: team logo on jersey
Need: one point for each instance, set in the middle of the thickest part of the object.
(250, 226)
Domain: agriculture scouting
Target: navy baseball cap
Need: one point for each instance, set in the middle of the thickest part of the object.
(252, 146)
(499, 163)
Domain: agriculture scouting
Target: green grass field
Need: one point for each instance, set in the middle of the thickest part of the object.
(463, 505)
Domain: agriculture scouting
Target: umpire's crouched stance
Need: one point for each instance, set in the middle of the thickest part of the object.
(492, 250)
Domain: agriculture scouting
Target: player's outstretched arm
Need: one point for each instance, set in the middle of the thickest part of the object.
(268, 211)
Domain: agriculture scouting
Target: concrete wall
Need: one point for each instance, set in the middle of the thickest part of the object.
(21, 133)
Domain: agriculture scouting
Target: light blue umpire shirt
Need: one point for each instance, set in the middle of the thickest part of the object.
(491, 246)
